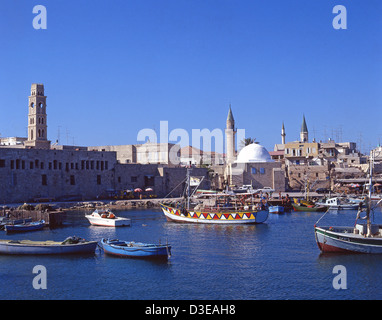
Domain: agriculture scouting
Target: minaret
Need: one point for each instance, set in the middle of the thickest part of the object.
(37, 119)
(304, 131)
(230, 133)
(283, 134)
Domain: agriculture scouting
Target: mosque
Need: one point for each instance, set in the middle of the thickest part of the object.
(253, 165)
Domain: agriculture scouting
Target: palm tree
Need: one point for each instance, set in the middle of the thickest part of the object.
(247, 141)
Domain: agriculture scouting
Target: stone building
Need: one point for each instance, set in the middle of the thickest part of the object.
(147, 153)
(314, 162)
(36, 174)
(194, 156)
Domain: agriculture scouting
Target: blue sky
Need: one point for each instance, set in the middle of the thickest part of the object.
(112, 68)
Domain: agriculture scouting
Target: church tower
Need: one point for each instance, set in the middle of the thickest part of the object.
(37, 119)
(283, 134)
(304, 131)
(230, 133)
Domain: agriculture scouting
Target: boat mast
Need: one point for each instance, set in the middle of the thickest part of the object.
(368, 204)
(188, 188)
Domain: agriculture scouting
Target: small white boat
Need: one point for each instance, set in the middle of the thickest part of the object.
(338, 203)
(106, 218)
(276, 209)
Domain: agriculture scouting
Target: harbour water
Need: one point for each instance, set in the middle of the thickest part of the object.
(275, 260)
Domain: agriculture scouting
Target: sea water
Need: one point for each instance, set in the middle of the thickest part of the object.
(278, 259)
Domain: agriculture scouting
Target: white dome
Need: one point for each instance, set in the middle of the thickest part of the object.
(254, 153)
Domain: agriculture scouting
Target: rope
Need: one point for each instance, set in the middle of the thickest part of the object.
(174, 188)
(321, 217)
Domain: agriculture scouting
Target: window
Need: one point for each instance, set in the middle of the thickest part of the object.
(72, 180)
(2, 163)
(98, 179)
(253, 170)
(134, 179)
(262, 170)
(44, 180)
(149, 181)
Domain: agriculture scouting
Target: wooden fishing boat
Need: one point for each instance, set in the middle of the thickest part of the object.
(24, 227)
(276, 209)
(360, 238)
(310, 208)
(349, 239)
(232, 211)
(135, 249)
(106, 218)
(71, 245)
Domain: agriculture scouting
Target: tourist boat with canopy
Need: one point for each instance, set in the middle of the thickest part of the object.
(218, 208)
(363, 237)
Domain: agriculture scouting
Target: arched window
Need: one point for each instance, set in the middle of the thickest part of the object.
(39, 133)
(43, 133)
(32, 105)
(32, 134)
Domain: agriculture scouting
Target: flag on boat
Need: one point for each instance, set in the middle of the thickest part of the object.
(194, 181)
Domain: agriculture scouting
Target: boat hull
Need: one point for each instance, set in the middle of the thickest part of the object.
(107, 222)
(135, 251)
(26, 247)
(301, 208)
(247, 217)
(336, 240)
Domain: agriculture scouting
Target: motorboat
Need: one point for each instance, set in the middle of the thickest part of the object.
(106, 218)
(339, 203)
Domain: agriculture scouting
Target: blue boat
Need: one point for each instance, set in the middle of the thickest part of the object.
(276, 209)
(23, 227)
(135, 249)
(71, 245)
